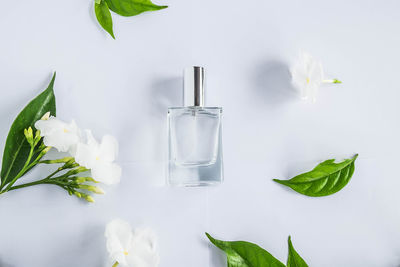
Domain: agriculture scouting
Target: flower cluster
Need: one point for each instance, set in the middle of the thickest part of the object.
(308, 76)
(98, 157)
(86, 154)
(131, 248)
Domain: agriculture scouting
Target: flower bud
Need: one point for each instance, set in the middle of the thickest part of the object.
(29, 135)
(91, 188)
(80, 180)
(78, 194)
(63, 160)
(90, 179)
(70, 163)
(88, 198)
(37, 138)
(46, 116)
(75, 171)
(42, 153)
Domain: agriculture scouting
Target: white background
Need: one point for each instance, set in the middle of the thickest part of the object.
(124, 87)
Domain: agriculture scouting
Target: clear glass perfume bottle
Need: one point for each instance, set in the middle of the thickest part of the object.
(194, 137)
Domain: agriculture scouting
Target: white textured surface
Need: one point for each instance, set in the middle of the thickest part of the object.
(123, 87)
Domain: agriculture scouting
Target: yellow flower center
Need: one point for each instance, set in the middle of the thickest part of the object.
(308, 80)
(65, 130)
(97, 158)
(126, 253)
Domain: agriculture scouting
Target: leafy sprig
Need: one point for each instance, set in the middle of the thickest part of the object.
(25, 150)
(126, 8)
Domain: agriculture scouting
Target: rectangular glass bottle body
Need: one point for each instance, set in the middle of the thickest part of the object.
(195, 146)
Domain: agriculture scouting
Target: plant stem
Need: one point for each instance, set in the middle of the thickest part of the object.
(43, 181)
(22, 172)
(115, 264)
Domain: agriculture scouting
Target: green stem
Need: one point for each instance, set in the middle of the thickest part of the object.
(43, 181)
(22, 172)
(46, 180)
(115, 264)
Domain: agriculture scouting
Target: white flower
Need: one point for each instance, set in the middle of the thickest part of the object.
(99, 158)
(58, 134)
(133, 249)
(308, 75)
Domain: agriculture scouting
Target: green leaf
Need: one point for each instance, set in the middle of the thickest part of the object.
(103, 16)
(294, 259)
(17, 148)
(245, 254)
(325, 179)
(130, 8)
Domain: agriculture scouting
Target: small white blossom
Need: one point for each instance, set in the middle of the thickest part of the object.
(58, 134)
(99, 158)
(308, 75)
(131, 248)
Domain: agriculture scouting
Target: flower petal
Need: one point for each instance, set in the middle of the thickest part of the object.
(106, 173)
(307, 75)
(85, 155)
(119, 239)
(108, 148)
(59, 134)
(144, 249)
(91, 141)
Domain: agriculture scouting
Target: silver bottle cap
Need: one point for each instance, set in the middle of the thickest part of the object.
(193, 87)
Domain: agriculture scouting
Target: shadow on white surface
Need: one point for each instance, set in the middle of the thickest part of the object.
(92, 16)
(166, 93)
(273, 83)
(217, 257)
(5, 264)
(91, 242)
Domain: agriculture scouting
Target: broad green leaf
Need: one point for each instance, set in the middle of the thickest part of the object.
(130, 8)
(325, 179)
(103, 16)
(294, 259)
(17, 148)
(245, 254)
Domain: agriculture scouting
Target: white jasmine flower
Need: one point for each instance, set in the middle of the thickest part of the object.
(308, 75)
(58, 134)
(132, 249)
(99, 158)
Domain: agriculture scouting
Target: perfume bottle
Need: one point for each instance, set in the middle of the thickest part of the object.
(194, 136)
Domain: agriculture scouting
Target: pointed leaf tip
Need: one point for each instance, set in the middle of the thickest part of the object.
(15, 151)
(104, 18)
(212, 240)
(294, 259)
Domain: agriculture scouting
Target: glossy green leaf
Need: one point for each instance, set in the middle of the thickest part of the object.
(16, 149)
(129, 8)
(294, 259)
(103, 16)
(245, 254)
(325, 179)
